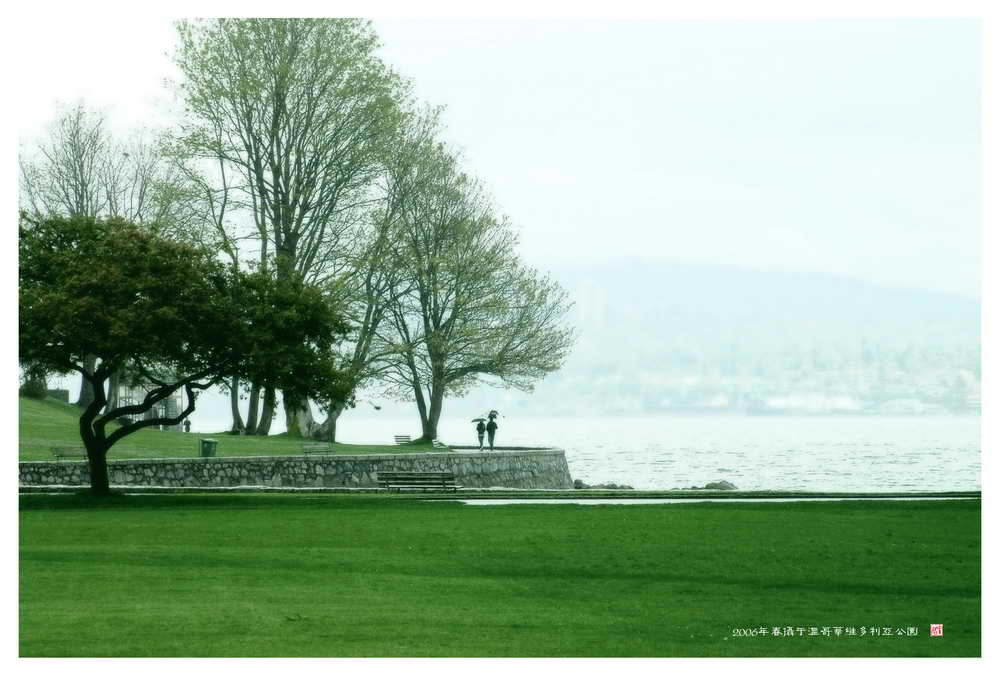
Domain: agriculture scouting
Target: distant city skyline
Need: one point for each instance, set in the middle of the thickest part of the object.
(840, 146)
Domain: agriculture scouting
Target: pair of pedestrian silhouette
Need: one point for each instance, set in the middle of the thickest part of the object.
(489, 428)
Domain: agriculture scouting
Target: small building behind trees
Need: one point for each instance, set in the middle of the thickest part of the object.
(130, 394)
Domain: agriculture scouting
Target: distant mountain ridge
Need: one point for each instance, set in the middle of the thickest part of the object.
(661, 336)
(725, 303)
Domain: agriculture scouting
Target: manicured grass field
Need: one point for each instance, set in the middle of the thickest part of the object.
(50, 423)
(321, 575)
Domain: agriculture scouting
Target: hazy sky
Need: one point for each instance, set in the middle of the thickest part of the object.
(845, 146)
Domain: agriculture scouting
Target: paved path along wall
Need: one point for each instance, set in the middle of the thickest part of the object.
(515, 468)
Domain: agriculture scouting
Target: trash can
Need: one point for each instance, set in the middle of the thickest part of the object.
(208, 448)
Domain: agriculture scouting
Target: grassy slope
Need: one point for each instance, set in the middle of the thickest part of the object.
(50, 423)
(254, 575)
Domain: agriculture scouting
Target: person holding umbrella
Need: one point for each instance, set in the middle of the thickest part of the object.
(480, 429)
(491, 427)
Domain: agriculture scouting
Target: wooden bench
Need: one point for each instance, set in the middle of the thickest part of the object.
(317, 448)
(405, 439)
(417, 480)
(69, 452)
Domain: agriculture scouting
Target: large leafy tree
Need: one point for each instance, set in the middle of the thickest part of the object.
(80, 169)
(465, 309)
(170, 312)
(295, 112)
(367, 277)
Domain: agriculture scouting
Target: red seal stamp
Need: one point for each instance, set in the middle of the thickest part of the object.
(937, 629)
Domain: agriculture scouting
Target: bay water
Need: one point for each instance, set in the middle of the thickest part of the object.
(818, 453)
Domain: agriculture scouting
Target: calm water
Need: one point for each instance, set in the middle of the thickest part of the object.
(807, 453)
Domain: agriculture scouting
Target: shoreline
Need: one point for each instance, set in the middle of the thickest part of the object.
(501, 492)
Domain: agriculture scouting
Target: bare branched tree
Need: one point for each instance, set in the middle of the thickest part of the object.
(370, 279)
(64, 174)
(466, 310)
(298, 110)
(210, 198)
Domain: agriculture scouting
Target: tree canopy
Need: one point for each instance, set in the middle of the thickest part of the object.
(79, 169)
(168, 311)
(291, 115)
(464, 309)
(300, 159)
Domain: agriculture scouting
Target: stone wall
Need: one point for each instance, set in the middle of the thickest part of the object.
(518, 469)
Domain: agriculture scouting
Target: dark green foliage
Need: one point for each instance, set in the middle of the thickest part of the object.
(287, 334)
(33, 389)
(33, 385)
(117, 291)
(169, 313)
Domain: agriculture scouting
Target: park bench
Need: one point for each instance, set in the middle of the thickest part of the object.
(317, 448)
(417, 480)
(405, 439)
(69, 452)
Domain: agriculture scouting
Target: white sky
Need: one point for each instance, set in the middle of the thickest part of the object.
(840, 146)
(844, 146)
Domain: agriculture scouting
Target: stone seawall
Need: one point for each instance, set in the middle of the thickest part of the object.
(515, 469)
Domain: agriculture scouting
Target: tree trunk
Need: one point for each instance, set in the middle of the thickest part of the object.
(98, 462)
(234, 405)
(251, 427)
(434, 415)
(327, 430)
(418, 394)
(429, 417)
(113, 384)
(267, 415)
(298, 418)
(97, 447)
(86, 388)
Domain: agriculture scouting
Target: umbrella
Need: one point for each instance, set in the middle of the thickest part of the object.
(476, 420)
(494, 412)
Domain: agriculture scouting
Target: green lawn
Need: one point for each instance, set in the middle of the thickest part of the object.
(50, 423)
(322, 575)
